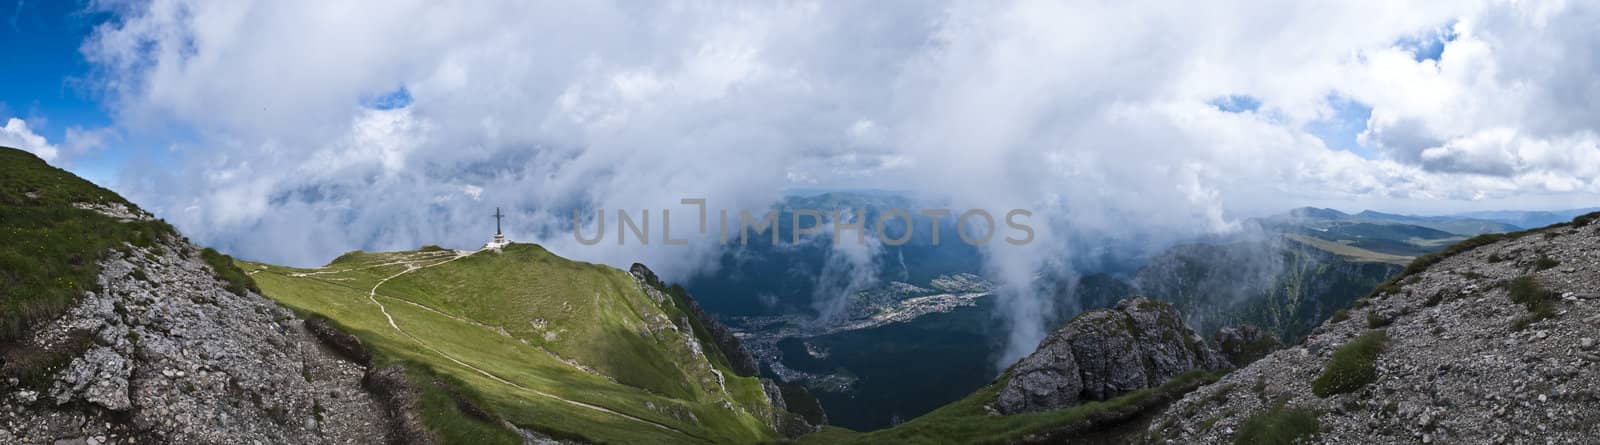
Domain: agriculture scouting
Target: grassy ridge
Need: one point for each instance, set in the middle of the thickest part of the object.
(493, 311)
(589, 313)
(49, 250)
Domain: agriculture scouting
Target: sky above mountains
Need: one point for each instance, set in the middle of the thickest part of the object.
(290, 131)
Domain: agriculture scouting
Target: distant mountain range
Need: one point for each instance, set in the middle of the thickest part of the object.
(1529, 219)
(1467, 223)
(1376, 236)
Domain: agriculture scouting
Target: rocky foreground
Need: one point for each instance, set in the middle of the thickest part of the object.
(164, 352)
(1496, 344)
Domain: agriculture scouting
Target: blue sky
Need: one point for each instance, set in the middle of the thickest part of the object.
(45, 83)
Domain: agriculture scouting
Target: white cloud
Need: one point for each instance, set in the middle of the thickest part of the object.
(1095, 115)
(80, 140)
(17, 134)
(1512, 96)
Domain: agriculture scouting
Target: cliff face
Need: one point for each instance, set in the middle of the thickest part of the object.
(163, 351)
(1284, 287)
(739, 358)
(1492, 344)
(1141, 343)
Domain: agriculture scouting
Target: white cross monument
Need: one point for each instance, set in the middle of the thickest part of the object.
(499, 238)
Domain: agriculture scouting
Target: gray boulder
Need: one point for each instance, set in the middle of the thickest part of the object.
(1101, 354)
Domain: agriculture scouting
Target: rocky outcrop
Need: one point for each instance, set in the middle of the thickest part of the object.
(743, 363)
(1492, 344)
(1100, 354)
(162, 352)
(788, 423)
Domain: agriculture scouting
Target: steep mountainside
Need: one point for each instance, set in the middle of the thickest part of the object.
(1491, 341)
(1282, 286)
(544, 346)
(119, 331)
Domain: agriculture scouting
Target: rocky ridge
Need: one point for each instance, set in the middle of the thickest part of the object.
(743, 363)
(163, 352)
(1141, 343)
(1464, 363)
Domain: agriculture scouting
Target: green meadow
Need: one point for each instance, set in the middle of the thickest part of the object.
(564, 348)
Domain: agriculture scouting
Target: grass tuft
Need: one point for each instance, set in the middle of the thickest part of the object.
(1339, 316)
(1539, 301)
(35, 367)
(1278, 426)
(223, 267)
(1353, 365)
(1545, 262)
(1376, 320)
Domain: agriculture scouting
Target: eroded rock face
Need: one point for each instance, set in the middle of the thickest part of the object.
(1101, 354)
(740, 358)
(166, 354)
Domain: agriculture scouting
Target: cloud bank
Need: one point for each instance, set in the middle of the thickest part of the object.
(1106, 121)
(17, 134)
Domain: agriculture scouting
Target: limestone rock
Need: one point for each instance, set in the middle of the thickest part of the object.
(1100, 354)
(162, 352)
(99, 376)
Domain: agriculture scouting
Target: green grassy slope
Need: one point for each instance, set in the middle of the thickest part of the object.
(566, 348)
(1352, 252)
